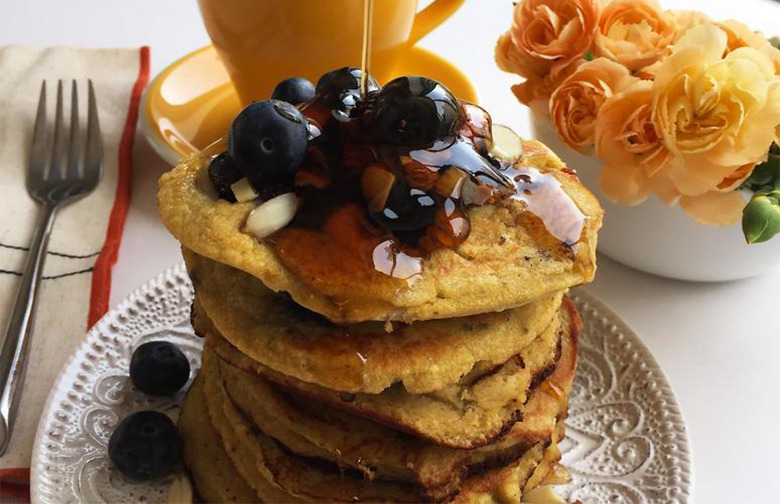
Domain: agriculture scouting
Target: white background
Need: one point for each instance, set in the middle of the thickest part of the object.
(718, 343)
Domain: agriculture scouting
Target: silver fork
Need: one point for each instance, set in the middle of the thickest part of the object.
(60, 172)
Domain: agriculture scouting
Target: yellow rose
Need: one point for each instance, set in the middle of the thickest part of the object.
(547, 34)
(575, 103)
(628, 144)
(715, 113)
(635, 33)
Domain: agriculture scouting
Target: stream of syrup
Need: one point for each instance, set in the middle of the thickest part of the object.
(365, 60)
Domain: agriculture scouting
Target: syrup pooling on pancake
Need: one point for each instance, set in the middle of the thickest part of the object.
(387, 179)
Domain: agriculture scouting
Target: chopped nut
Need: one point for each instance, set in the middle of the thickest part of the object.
(450, 181)
(475, 194)
(272, 215)
(243, 191)
(418, 175)
(376, 184)
(543, 494)
(180, 491)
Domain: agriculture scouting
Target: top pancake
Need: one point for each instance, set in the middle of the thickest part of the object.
(509, 259)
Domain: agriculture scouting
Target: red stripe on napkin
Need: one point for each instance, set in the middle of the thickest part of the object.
(101, 275)
(15, 483)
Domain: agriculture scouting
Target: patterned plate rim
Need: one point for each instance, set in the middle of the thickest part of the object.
(613, 323)
(60, 382)
(608, 319)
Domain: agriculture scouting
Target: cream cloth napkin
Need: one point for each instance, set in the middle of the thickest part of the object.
(79, 244)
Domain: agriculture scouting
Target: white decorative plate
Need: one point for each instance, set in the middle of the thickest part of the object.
(625, 437)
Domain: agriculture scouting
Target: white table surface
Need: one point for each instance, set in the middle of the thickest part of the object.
(718, 343)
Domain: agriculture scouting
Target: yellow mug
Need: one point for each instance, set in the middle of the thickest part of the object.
(262, 42)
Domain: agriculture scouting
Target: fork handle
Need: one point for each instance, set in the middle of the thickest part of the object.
(16, 345)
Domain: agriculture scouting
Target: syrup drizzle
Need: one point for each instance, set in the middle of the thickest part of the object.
(545, 198)
(365, 60)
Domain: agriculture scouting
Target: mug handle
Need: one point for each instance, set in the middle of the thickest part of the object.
(432, 16)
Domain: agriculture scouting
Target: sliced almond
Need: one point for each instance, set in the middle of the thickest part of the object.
(272, 215)
(243, 191)
(180, 491)
(507, 145)
(376, 184)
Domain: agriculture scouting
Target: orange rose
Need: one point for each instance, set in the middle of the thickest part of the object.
(547, 34)
(575, 103)
(627, 142)
(635, 33)
(715, 113)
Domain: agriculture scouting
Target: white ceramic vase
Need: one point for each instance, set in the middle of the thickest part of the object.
(663, 240)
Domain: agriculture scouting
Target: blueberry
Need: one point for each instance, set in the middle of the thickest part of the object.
(144, 446)
(416, 112)
(406, 209)
(340, 89)
(295, 90)
(159, 368)
(223, 173)
(267, 141)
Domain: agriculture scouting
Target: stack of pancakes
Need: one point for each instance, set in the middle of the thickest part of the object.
(451, 388)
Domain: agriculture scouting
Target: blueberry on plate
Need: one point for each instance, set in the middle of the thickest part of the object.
(340, 89)
(406, 209)
(223, 173)
(144, 446)
(295, 91)
(267, 142)
(159, 368)
(416, 112)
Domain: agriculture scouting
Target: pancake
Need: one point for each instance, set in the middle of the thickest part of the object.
(362, 358)
(217, 480)
(508, 484)
(509, 259)
(267, 464)
(204, 456)
(473, 412)
(314, 430)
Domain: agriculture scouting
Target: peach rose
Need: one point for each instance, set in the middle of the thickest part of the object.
(684, 20)
(715, 113)
(635, 33)
(537, 90)
(548, 34)
(714, 208)
(740, 35)
(575, 103)
(627, 142)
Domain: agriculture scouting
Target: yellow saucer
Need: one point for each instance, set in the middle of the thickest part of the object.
(190, 104)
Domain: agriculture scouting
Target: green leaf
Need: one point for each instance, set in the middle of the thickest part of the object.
(765, 176)
(589, 56)
(761, 217)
